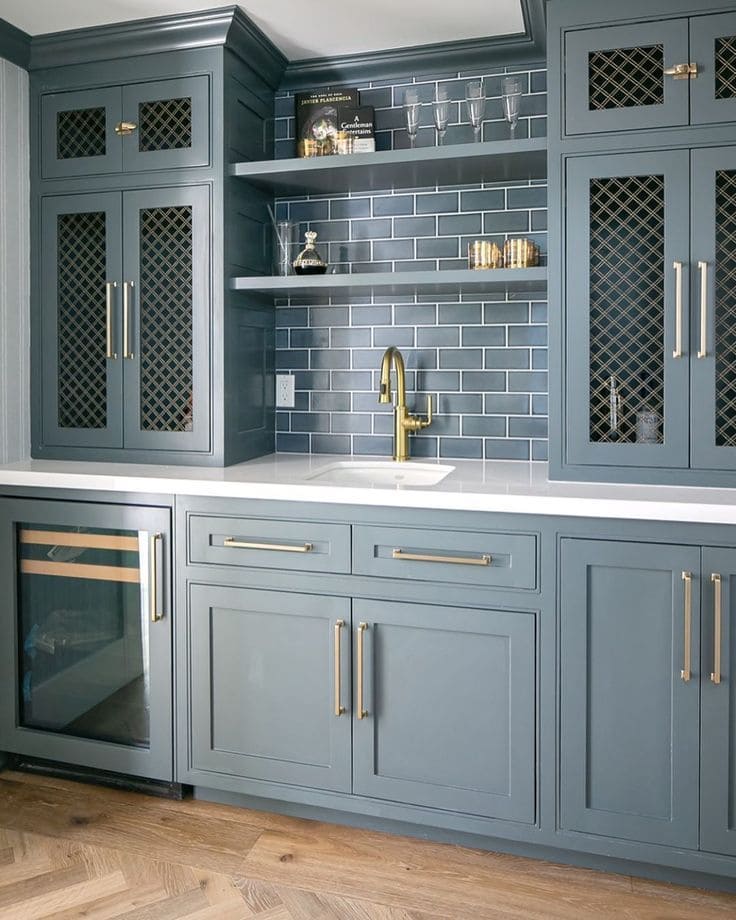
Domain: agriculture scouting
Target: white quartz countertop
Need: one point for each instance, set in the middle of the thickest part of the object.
(474, 485)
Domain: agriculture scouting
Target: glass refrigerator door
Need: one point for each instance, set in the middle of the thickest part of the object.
(84, 615)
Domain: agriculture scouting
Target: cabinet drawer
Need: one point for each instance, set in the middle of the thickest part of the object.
(499, 560)
(269, 544)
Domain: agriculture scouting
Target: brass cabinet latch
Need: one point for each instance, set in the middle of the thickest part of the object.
(682, 71)
(122, 128)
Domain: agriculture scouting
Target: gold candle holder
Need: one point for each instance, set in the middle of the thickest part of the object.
(484, 254)
(520, 253)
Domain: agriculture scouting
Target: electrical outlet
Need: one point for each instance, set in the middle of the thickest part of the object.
(284, 391)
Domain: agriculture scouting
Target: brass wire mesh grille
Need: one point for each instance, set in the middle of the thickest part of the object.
(725, 337)
(80, 133)
(725, 67)
(166, 318)
(165, 124)
(626, 77)
(82, 369)
(626, 301)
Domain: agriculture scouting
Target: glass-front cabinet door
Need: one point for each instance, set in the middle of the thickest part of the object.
(86, 648)
(626, 348)
(714, 315)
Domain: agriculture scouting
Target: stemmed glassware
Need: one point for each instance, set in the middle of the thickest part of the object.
(412, 110)
(475, 98)
(511, 101)
(441, 112)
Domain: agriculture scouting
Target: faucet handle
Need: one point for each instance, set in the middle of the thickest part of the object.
(415, 422)
(425, 423)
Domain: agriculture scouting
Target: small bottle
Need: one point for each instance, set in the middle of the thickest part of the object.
(614, 410)
(648, 420)
(309, 261)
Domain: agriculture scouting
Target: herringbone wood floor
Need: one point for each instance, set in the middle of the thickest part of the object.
(71, 851)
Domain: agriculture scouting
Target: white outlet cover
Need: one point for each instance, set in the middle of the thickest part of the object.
(284, 391)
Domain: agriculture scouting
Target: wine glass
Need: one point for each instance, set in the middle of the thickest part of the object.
(511, 101)
(411, 113)
(475, 98)
(441, 111)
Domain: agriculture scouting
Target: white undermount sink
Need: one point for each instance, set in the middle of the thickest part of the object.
(381, 473)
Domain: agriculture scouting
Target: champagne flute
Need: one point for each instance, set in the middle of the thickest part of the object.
(475, 99)
(411, 113)
(511, 101)
(441, 111)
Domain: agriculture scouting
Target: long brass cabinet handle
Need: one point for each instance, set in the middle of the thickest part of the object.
(677, 353)
(127, 290)
(703, 269)
(157, 540)
(109, 294)
(279, 547)
(339, 708)
(452, 560)
(362, 712)
(717, 627)
(686, 672)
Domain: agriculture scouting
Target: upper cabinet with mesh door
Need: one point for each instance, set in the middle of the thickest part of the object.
(162, 124)
(665, 73)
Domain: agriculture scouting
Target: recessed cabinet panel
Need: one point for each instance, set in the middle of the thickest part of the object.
(172, 124)
(713, 44)
(81, 264)
(630, 696)
(627, 344)
(615, 77)
(78, 133)
(448, 697)
(262, 686)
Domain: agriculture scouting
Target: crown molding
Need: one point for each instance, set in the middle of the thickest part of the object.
(15, 45)
(445, 57)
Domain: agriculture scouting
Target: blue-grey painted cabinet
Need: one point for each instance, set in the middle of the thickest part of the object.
(269, 686)
(718, 719)
(85, 635)
(125, 320)
(630, 690)
(445, 708)
(161, 124)
(660, 74)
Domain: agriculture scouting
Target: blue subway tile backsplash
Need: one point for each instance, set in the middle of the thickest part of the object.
(482, 364)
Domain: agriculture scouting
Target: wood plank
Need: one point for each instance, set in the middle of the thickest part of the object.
(117, 573)
(85, 540)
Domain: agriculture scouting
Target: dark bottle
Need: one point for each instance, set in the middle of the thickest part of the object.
(309, 261)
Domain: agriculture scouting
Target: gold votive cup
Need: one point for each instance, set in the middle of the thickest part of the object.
(484, 254)
(520, 253)
(344, 142)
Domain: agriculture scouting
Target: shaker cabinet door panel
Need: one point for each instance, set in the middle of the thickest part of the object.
(172, 126)
(78, 136)
(615, 77)
(629, 718)
(627, 340)
(713, 48)
(81, 355)
(166, 318)
(449, 702)
(262, 677)
(713, 365)
(718, 728)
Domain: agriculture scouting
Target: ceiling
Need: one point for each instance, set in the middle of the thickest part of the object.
(300, 28)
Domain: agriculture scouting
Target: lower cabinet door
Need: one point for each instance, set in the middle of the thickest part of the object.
(447, 699)
(269, 686)
(718, 718)
(630, 690)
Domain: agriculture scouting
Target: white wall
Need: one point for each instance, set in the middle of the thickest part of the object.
(14, 265)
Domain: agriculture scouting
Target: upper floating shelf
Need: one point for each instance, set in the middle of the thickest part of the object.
(456, 164)
(456, 281)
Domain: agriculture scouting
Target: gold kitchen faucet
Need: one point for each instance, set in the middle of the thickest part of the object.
(404, 422)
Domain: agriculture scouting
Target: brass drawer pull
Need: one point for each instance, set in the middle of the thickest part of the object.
(686, 672)
(677, 353)
(109, 347)
(703, 350)
(452, 560)
(717, 627)
(339, 708)
(156, 544)
(127, 289)
(279, 547)
(362, 713)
